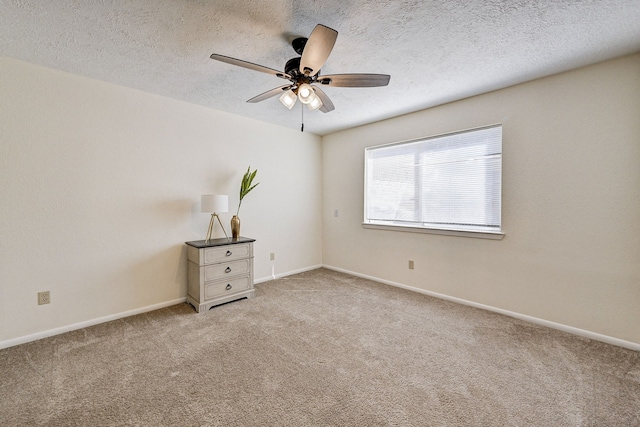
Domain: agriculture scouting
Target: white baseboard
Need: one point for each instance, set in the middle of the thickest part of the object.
(92, 322)
(570, 329)
(61, 330)
(288, 273)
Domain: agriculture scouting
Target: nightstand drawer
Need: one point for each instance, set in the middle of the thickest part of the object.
(227, 269)
(216, 289)
(226, 253)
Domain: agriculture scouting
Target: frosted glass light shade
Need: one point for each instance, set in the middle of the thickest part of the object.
(314, 104)
(288, 99)
(306, 93)
(211, 203)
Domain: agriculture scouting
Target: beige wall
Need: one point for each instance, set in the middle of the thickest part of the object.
(571, 203)
(100, 186)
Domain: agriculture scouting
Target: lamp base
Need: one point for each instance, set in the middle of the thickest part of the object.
(210, 231)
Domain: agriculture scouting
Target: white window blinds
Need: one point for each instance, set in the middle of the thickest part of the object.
(450, 182)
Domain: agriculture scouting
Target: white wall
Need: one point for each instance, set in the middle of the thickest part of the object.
(100, 188)
(571, 203)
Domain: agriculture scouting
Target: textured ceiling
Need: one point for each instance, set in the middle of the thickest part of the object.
(436, 51)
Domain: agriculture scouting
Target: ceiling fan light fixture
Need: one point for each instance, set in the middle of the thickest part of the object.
(288, 99)
(306, 93)
(315, 103)
(303, 73)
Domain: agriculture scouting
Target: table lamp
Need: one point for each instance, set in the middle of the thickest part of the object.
(213, 204)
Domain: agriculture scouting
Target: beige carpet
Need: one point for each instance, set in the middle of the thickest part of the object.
(320, 349)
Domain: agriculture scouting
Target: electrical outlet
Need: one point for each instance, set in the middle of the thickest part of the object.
(410, 265)
(272, 256)
(44, 298)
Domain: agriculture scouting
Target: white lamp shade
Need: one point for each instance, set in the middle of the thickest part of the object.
(314, 104)
(211, 203)
(306, 93)
(288, 99)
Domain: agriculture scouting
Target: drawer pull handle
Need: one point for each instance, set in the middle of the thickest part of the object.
(229, 253)
(228, 286)
(227, 270)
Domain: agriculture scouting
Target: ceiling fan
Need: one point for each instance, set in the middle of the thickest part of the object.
(303, 73)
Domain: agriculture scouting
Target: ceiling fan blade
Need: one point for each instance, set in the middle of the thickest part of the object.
(327, 105)
(250, 66)
(268, 94)
(354, 80)
(317, 49)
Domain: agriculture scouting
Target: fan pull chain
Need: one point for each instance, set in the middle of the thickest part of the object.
(302, 117)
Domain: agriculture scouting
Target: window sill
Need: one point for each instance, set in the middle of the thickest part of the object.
(473, 234)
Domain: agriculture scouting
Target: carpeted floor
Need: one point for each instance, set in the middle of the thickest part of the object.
(320, 349)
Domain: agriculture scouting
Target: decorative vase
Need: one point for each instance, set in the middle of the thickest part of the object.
(235, 227)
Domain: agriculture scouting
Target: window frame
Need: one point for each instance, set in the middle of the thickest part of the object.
(431, 229)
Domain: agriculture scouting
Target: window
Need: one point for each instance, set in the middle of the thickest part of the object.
(446, 182)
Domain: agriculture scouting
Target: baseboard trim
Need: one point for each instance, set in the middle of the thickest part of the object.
(553, 325)
(87, 323)
(288, 273)
(61, 330)
(569, 329)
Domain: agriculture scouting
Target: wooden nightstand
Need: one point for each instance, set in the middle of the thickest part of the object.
(219, 271)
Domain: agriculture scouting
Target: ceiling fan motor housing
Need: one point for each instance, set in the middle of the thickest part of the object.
(292, 67)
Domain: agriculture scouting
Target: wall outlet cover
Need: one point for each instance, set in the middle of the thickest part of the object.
(44, 298)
